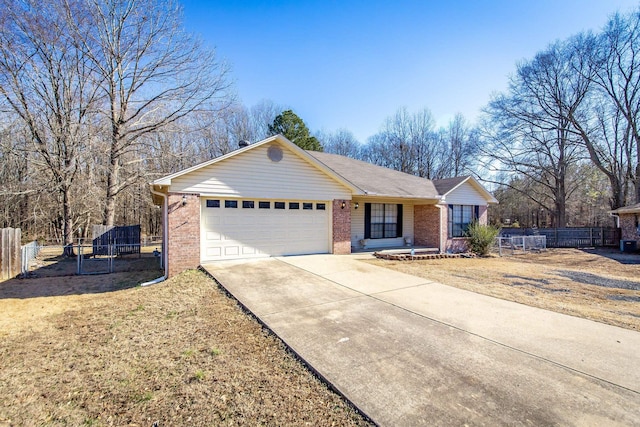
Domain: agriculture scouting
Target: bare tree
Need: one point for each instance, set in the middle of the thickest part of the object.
(152, 74)
(609, 124)
(261, 116)
(463, 145)
(47, 83)
(406, 142)
(530, 130)
(340, 142)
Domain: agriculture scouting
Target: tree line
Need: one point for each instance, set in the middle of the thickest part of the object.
(100, 97)
(564, 139)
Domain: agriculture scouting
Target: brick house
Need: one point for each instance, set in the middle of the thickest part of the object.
(629, 222)
(272, 198)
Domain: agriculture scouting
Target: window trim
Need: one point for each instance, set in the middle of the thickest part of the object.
(215, 203)
(231, 204)
(248, 204)
(264, 205)
(475, 214)
(398, 223)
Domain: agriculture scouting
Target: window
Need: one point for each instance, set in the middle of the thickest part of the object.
(264, 205)
(460, 216)
(320, 206)
(231, 204)
(307, 206)
(248, 204)
(213, 203)
(278, 205)
(294, 205)
(382, 220)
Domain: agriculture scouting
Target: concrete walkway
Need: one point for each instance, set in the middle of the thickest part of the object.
(408, 351)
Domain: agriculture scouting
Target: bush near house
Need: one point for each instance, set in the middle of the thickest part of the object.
(481, 237)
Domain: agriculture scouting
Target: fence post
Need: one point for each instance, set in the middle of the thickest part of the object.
(10, 256)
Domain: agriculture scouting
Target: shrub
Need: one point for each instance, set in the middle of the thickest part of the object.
(481, 237)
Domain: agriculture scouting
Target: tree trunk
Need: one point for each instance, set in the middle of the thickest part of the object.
(637, 177)
(67, 223)
(113, 175)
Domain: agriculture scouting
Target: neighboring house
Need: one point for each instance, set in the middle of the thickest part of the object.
(628, 223)
(273, 198)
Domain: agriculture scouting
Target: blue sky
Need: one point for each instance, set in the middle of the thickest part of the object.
(351, 64)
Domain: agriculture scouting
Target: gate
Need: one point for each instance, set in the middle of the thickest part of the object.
(107, 244)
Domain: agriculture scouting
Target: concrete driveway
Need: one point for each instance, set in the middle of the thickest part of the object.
(407, 351)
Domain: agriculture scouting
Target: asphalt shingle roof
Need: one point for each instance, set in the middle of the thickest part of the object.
(377, 180)
(628, 209)
(447, 184)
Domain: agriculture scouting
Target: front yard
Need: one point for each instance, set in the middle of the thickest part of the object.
(599, 285)
(95, 351)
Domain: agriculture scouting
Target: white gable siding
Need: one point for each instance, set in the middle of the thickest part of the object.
(465, 194)
(357, 225)
(253, 175)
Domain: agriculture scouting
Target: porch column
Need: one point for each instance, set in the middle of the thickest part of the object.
(426, 226)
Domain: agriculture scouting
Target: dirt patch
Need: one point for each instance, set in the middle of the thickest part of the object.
(598, 285)
(96, 350)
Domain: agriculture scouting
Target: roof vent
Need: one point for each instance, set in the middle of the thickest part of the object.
(243, 143)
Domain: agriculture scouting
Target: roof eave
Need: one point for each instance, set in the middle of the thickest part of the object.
(434, 199)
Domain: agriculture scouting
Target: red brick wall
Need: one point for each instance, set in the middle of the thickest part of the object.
(628, 227)
(484, 216)
(461, 244)
(426, 226)
(183, 236)
(341, 227)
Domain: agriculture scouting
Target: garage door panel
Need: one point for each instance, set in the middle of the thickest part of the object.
(212, 235)
(214, 252)
(235, 233)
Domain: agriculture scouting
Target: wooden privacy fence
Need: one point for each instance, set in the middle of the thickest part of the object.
(9, 253)
(126, 239)
(571, 237)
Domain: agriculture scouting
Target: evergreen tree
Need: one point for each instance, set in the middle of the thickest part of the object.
(293, 128)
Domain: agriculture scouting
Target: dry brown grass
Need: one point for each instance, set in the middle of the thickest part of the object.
(180, 353)
(597, 285)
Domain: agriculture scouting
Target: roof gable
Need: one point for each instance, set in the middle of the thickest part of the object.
(447, 187)
(171, 179)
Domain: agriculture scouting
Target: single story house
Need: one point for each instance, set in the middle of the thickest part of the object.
(272, 198)
(628, 222)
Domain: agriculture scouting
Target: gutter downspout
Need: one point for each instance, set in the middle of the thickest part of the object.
(442, 244)
(617, 217)
(165, 228)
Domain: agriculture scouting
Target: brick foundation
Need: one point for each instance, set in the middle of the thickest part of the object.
(183, 237)
(341, 227)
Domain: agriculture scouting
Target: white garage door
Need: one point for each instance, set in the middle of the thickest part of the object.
(259, 228)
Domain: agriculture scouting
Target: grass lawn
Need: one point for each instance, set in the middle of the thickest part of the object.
(602, 285)
(177, 353)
